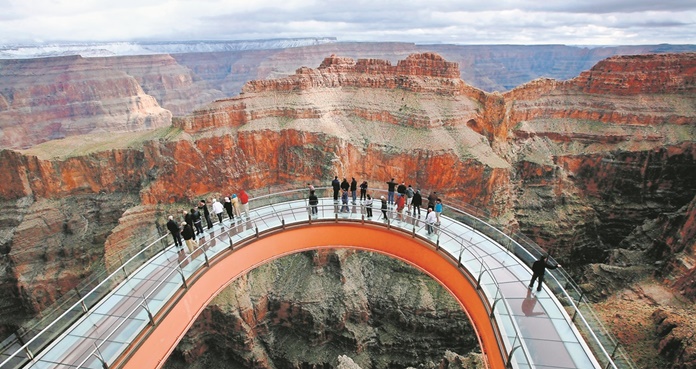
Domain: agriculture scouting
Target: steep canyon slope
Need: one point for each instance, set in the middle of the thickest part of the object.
(50, 98)
(586, 167)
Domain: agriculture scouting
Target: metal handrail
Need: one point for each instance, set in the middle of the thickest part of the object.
(294, 194)
(78, 304)
(95, 352)
(532, 248)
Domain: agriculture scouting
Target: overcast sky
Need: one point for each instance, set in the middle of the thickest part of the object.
(592, 22)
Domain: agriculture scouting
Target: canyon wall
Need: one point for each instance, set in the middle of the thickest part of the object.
(47, 99)
(51, 98)
(341, 302)
(580, 166)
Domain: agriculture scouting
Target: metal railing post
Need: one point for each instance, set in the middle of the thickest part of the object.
(99, 356)
(183, 279)
(509, 358)
(478, 280)
(82, 301)
(149, 313)
(493, 307)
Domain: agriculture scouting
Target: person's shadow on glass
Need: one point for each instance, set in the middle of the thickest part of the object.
(529, 303)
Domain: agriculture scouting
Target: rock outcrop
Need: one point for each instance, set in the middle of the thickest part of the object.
(580, 166)
(340, 302)
(52, 98)
(45, 99)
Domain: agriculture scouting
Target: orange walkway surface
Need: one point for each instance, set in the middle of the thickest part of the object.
(153, 350)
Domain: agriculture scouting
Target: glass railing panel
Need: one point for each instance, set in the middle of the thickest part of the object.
(551, 309)
(577, 353)
(478, 248)
(116, 302)
(157, 298)
(489, 287)
(56, 329)
(191, 265)
(126, 332)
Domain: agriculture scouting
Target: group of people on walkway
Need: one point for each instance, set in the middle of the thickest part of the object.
(401, 198)
(190, 227)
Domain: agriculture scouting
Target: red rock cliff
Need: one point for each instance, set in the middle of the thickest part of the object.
(575, 169)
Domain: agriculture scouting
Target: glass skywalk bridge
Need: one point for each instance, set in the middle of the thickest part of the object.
(108, 325)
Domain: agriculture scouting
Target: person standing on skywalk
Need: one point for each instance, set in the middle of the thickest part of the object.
(539, 269)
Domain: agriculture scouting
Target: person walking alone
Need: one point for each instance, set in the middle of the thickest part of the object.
(539, 269)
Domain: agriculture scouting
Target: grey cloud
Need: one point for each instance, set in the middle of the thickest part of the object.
(613, 6)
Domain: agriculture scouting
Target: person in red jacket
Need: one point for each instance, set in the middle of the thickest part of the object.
(400, 205)
(244, 199)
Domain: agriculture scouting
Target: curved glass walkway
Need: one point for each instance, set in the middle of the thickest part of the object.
(106, 327)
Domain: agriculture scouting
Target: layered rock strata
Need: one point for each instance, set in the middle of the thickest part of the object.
(53, 98)
(375, 310)
(579, 166)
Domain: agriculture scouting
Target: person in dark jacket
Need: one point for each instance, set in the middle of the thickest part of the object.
(187, 233)
(206, 213)
(345, 186)
(384, 208)
(313, 202)
(391, 187)
(539, 269)
(363, 191)
(188, 218)
(431, 200)
(174, 230)
(336, 187)
(401, 189)
(344, 202)
(196, 217)
(416, 203)
(227, 204)
(354, 189)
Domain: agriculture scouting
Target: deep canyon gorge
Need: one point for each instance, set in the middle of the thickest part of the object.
(598, 169)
